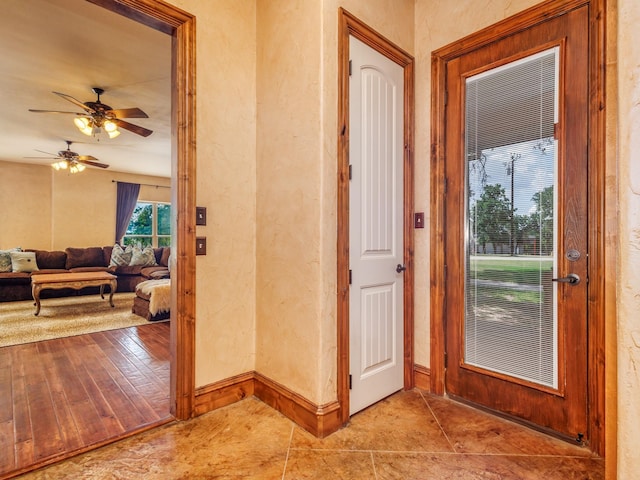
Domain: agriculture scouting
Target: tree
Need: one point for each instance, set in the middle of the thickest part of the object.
(141, 220)
(492, 215)
(543, 218)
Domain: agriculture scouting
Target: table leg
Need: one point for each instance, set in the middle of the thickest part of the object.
(113, 284)
(35, 291)
(102, 291)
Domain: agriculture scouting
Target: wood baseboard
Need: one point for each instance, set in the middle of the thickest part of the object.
(224, 392)
(319, 420)
(422, 376)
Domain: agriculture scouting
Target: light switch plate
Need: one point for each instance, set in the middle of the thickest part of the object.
(419, 220)
(201, 215)
(201, 245)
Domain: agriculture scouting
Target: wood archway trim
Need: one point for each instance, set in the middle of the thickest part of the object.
(350, 25)
(182, 27)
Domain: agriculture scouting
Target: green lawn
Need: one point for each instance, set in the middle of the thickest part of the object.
(510, 269)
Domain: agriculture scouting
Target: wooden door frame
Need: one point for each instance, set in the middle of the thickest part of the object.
(598, 269)
(182, 28)
(350, 25)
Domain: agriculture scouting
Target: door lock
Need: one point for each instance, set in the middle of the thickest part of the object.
(400, 268)
(571, 279)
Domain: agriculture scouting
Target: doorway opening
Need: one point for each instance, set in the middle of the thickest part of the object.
(181, 27)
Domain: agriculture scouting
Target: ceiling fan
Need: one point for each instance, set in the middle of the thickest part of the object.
(71, 160)
(98, 115)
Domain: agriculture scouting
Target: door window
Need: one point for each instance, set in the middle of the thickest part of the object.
(510, 324)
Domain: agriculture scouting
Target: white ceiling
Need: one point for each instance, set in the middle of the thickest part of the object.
(70, 46)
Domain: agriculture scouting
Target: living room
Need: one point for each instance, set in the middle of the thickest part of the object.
(71, 208)
(62, 211)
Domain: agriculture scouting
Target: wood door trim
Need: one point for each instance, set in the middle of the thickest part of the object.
(182, 26)
(350, 25)
(599, 270)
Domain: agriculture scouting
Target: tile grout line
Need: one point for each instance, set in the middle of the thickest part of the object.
(373, 464)
(286, 458)
(438, 422)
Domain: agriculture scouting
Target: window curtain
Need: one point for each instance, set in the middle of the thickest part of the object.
(126, 202)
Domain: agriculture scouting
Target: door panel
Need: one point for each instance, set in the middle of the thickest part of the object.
(375, 226)
(516, 217)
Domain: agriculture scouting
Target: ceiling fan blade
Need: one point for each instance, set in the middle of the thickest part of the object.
(133, 128)
(46, 158)
(85, 158)
(57, 111)
(75, 101)
(129, 113)
(92, 163)
(46, 153)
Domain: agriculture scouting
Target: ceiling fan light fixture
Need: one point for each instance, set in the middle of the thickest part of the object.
(76, 167)
(61, 165)
(81, 122)
(84, 125)
(111, 128)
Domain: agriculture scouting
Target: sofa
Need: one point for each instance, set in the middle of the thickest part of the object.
(16, 285)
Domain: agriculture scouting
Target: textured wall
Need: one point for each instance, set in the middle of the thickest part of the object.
(629, 231)
(226, 156)
(58, 210)
(296, 185)
(392, 19)
(25, 197)
(438, 24)
(267, 96)
(289, 139)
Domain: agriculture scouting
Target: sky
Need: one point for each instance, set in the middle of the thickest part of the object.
(533, 171)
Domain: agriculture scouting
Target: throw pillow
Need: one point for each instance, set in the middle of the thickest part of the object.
(143, 257)
(84, 257)
(120, 257)
(23, 262)
(5, 259)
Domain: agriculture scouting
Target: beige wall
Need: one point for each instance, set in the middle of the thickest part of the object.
(629, 231)
(226, 186)
(267, 86)
(289, 194)
(393, 19)
(437, 24)
(59, 210)
(25, 206)
(296, 184)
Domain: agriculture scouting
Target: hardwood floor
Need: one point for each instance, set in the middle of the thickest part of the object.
(65, 395)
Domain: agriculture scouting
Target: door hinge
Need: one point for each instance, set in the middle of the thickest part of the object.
(446, 97)
(350, 67)
(350, 276)
(446, 360)
(446, 185)
(350, 172)
(350, 382)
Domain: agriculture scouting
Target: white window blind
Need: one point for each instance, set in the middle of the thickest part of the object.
(510, 315)
(511, 104)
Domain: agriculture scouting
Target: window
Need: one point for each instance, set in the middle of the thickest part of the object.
(150, 224)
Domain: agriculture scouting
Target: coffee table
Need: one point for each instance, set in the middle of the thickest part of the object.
(75, 280)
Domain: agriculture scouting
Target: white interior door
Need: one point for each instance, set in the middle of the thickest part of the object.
(376, 313)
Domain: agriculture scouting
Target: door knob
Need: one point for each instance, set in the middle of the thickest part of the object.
(571, 279)
(400, 268)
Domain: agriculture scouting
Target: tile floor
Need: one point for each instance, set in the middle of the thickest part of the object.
(410, 435)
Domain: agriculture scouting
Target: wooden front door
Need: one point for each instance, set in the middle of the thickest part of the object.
(516, 227)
